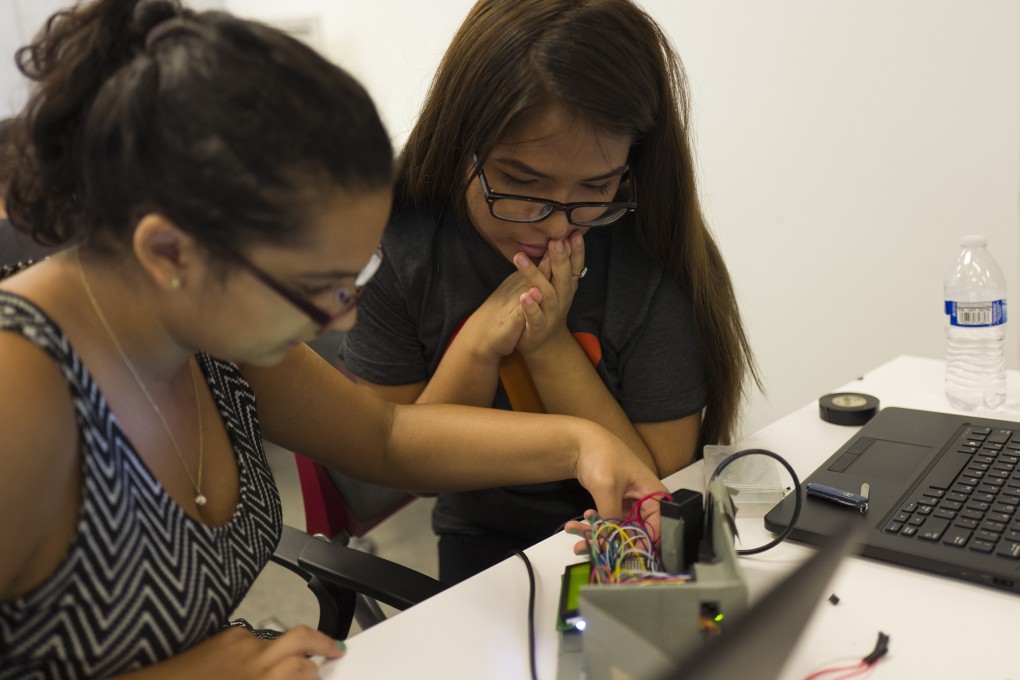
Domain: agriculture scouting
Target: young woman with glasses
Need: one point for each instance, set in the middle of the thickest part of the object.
(548, 252)
(223, 190)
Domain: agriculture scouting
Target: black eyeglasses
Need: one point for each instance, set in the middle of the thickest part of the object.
(511, 208)
(346, 299)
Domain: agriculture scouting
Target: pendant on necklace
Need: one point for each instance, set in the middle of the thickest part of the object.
(200, 500)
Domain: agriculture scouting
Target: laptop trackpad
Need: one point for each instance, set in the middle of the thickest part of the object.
(884, 459)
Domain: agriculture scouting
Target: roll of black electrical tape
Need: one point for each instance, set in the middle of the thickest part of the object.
(847, 408)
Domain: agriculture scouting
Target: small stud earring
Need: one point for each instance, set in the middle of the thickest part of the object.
(175, 283)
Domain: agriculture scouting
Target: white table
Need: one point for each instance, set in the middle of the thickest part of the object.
(939, 628)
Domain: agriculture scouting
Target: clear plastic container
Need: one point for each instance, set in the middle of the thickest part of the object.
(975, 322)
(753, 482)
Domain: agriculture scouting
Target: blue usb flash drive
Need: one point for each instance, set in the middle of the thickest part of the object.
(841, 496)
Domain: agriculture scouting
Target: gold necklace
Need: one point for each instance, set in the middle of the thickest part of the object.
(200, 499)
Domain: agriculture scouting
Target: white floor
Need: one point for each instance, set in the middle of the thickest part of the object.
(280, 600)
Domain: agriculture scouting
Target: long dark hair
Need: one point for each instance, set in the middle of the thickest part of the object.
(226, 126)
(609, 63)
(7, 127)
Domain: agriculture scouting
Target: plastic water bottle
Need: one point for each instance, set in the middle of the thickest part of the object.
(975, 293)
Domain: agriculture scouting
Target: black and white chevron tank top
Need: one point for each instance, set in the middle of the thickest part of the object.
(141, 581)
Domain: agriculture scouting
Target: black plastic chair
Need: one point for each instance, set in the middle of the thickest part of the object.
(340, 577)
(339, 511)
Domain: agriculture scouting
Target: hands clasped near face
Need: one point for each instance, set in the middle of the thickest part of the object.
(531, 305)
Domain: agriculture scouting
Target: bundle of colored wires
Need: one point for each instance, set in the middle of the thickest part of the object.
(624, 551)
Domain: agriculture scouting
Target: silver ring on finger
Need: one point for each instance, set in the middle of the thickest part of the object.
(583, 272)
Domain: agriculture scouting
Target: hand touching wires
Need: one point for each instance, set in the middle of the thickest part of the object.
(625, 551)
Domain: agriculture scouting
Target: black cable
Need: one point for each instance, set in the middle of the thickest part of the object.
(880, 650)
(796, 489)
(531, 613)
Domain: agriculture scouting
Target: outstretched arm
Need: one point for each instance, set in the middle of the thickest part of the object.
(306, 405)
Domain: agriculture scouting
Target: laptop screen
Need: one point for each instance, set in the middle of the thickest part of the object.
(761, 640)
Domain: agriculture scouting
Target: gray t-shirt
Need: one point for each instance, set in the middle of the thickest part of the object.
(435, 275)
(17, 247)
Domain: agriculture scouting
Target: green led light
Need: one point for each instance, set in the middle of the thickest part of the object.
(719, 618)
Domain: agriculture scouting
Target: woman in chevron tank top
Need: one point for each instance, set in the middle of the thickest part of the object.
(219, 190)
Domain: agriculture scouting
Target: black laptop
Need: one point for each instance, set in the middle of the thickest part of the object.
(944, 493)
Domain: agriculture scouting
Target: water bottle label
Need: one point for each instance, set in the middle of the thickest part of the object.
(976, 314)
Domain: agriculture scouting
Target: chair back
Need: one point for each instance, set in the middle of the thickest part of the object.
(340, 507)
(337, 506)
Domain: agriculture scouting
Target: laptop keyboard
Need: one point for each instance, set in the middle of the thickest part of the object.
(969, 499)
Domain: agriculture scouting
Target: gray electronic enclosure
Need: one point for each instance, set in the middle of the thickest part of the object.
(643, 631)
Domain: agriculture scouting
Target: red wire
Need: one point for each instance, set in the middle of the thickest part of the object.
(856, 668)
(863, 668)
(635, 510)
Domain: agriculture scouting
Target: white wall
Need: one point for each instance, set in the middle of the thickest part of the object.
(12, 86)
(20, 20)
(391, 46)
(843, 147)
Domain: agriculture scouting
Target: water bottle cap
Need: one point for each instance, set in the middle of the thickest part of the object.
(974, 241)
